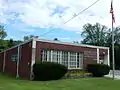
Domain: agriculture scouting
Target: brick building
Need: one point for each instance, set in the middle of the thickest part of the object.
(18, 60)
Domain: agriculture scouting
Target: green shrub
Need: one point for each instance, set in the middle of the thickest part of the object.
(48, 71)
(98, 70)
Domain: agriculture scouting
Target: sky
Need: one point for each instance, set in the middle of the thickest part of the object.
(36, 17)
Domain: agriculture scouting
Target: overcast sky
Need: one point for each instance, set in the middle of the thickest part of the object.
(26, 17)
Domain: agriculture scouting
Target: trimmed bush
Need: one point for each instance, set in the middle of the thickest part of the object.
(44, 71)
(98, 70)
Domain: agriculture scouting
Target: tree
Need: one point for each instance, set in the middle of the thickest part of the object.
(29, 37)
(17, 42)
(3, 33)
(116, 36)
(10, 43)
(102, 36)
(3, 45)
(76, 42)
(94, 34)
(116, 44)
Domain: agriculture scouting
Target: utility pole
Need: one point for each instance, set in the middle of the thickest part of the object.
(113, 58)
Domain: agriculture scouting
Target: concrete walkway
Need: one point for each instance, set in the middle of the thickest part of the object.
(117, 74)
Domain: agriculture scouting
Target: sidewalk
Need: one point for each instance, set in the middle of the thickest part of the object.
(110, 76)
(117, 74)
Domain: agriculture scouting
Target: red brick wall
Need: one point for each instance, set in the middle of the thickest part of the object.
(25, 60)
(24, 63)
(10, 66)
(90, 54)
(1, 61)
(88, 62)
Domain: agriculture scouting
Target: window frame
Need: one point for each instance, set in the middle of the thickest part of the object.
(68, 59)
(14, 57)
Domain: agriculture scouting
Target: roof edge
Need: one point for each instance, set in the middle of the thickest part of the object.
(67, 43)
(17, 45)
(57, 42)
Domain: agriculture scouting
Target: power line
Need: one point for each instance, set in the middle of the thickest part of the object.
(74, 16)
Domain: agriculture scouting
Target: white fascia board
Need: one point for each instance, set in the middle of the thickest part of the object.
(66, 43)
(17, 45)
(58, 42)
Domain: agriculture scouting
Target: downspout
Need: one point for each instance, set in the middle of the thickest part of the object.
(60, 57)
(18, 58)
(68, 60)
(98, 55)
(108, 58)
(32, 58)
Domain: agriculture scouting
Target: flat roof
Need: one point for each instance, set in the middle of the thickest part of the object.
(58, 42)
(67, 43)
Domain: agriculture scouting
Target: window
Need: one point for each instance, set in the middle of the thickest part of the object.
(72, 60)
(14, 57)
(55, 56)
(44, 55)
(48, 55)
(79, 60)
(65, 58)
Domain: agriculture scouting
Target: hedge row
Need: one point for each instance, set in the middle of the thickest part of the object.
(98, 70)
(48, 71)
(44, 71)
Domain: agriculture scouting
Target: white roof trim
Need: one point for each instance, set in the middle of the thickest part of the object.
(57, 42)
(17, 45)
(66, 43)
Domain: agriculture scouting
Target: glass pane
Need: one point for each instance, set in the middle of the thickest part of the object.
(14, 57)
(65, 58)
(72, 66)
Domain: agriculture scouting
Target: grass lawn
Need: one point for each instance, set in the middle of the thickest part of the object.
(7, 83)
